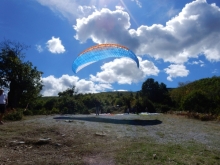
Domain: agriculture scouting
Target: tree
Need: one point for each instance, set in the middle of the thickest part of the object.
(196, 101)
(154, 91)
(68, 92)
(22, 79)
(155, 96)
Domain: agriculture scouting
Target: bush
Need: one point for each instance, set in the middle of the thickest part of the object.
(199, 116)
(163, 108)
(28, 113)
(196, 101)
(54, 111)
(14, 116)
(43, 112)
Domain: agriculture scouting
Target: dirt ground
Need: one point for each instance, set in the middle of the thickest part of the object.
(94, 140)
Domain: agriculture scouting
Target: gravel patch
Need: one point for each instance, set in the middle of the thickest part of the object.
(162, 128)
(79, 139)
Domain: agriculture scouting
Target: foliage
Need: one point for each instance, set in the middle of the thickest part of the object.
(23, 80)
(200, 116)
(14, 116)
(154, 91)
(196, 101)
(69, 92)
(202, 96)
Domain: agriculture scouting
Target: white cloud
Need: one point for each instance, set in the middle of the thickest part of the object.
(192, 32)
(200, 62)
(176, 70)
(104, 26)
(215, 71)
(84, 86)
(195, 30)
(85, 10)
(39, 48)
(70, 9)
(119, 8)
(52, 85)
(124, 71)
(138, 3)
(55, 45)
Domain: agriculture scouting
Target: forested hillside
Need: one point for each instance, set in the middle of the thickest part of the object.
(201, 96)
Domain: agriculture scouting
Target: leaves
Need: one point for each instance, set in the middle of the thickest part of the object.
(23, 80)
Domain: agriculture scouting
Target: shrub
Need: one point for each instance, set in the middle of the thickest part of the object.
(196, 101)
(164, 108)
(28, 113)
(54, 111)
(14, 116)
(200, 116)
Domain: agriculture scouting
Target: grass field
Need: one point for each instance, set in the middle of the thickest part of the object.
(109, 140)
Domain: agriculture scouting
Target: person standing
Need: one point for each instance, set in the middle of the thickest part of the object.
(3, 103)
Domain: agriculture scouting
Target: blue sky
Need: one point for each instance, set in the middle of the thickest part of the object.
(175, 41)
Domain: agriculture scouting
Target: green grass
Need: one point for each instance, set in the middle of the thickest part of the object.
(150, 152)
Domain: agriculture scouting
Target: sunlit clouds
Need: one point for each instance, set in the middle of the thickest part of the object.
(124, 71)
(53, 85)
(55, 46)
(189, 33)
(176, 70)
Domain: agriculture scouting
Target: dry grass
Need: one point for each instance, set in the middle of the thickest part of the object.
(90, 142)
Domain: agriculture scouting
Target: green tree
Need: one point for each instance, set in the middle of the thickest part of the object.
(50, 104)
(69, 92)
(196, 101)
(67, 105)
(154, 91)
(22, 79)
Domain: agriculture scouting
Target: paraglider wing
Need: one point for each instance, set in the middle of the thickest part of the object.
(100, 52)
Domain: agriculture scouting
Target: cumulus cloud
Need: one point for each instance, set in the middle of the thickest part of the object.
(119, 8)
(124, 71)
(106, 26)
(55, 45)
(194, 31)
(85, 86)
(176, 70)
(52, 85)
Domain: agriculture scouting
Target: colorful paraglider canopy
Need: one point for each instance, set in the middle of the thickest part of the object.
(100, 52)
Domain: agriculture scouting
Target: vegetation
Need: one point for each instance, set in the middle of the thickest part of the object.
(199, 99)
(196, 103)
(201, 96)
(84, 142)
(20, 77)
